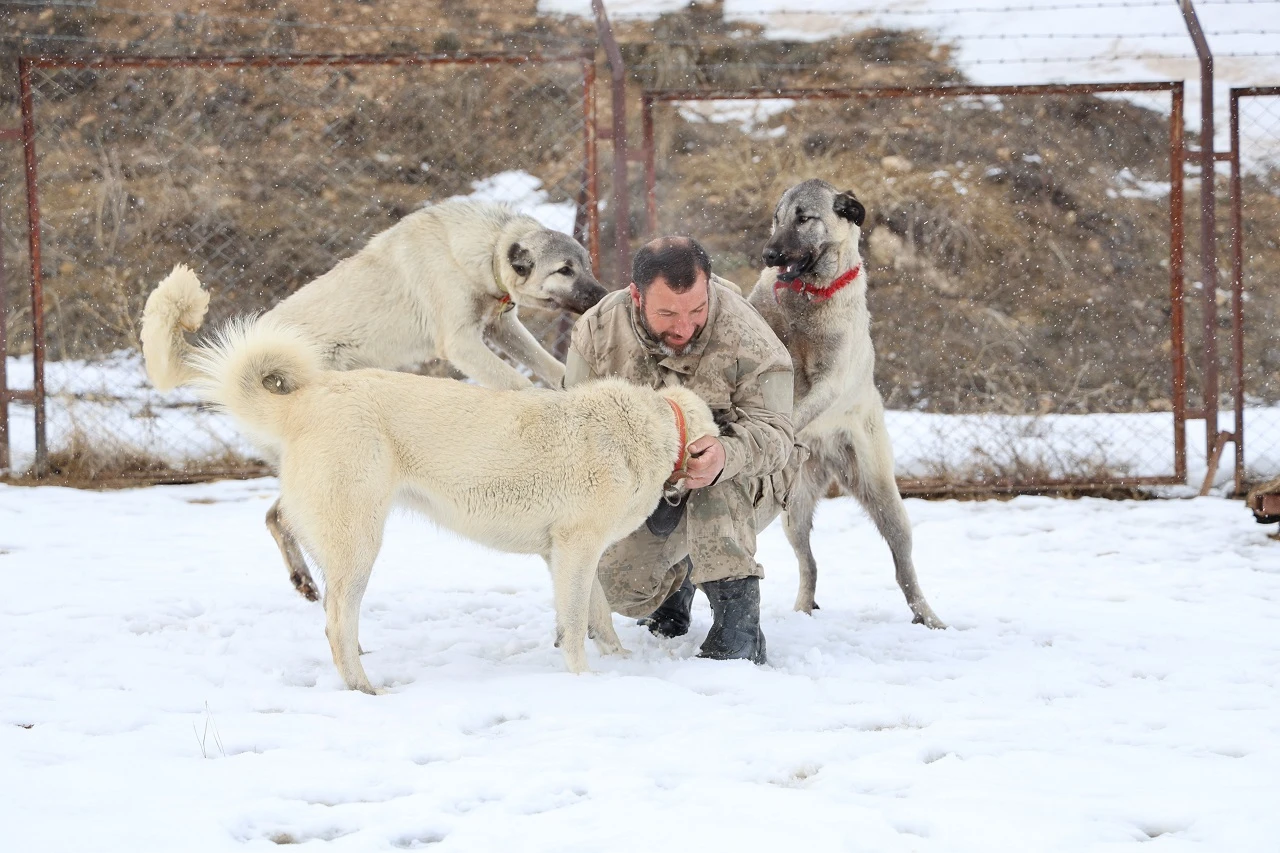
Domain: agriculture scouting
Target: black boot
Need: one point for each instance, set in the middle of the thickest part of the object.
(735, 634)
(671, 619)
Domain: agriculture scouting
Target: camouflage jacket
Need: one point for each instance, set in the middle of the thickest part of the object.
(736, 364)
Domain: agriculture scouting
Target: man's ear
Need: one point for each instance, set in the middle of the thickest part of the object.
(847, 205)
(635, 294)
(521, 260)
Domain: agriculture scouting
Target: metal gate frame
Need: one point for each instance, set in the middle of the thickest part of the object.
(1236, 229)
(26, 64)
(1177, 155)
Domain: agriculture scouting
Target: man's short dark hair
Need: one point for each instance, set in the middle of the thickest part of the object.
(677, 260)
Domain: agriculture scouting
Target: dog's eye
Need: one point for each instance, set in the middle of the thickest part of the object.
(565, 271)
(801, 218)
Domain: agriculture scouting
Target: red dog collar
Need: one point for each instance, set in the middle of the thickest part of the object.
(815, 294)
(684, 436)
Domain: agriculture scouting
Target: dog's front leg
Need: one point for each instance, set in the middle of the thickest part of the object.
(517, 341)
(482, 364)
(821, 395)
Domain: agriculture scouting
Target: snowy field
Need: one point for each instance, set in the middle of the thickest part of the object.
(1110, 679)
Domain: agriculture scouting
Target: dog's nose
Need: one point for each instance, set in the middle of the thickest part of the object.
(773, 257)
(585, 294)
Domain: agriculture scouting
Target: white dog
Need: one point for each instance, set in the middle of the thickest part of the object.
(434, 285)
(813, 294)
(563, 474)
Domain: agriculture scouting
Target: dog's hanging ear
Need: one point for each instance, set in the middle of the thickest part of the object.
(521, 260)
(848, 206)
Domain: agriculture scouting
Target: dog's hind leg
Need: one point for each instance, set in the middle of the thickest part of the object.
(870, 479)
(797, 523)
(575, 555)
(294, 561)
(346, 548)
(600, 622)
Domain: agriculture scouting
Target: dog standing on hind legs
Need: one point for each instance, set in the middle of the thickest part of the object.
(813, 293)
(436, 284)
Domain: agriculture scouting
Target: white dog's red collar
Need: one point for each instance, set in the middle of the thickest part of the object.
(504, 301)
(684, 436)
(815, 294)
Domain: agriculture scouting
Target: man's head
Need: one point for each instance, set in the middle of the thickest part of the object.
(670, 289)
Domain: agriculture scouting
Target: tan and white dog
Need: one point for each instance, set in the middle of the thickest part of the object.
(813, 294)
(563, 474)
(434, 285)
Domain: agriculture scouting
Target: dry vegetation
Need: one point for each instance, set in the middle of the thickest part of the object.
(1018, 253)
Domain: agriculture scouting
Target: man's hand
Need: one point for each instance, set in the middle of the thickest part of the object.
(706, 461)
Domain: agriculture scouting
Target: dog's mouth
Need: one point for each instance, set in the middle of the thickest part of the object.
(793, 269)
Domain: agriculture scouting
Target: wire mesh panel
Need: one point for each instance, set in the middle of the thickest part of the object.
(261, 173)
(1256, 199)
(15, 307)
(1024, 256)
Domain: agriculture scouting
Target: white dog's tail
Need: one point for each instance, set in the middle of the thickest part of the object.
(251, 368)
(177, 305)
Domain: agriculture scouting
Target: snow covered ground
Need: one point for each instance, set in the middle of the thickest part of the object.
(1110, 678)
(1003, 42)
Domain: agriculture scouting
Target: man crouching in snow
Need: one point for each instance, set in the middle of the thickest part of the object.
(676, 325)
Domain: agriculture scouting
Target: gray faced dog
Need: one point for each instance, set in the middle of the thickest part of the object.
(813, 293)
(437, 284)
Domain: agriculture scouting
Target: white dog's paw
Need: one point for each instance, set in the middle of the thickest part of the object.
(613, 649)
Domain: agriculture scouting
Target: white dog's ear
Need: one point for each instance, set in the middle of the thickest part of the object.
(846, 205)
(521, 260)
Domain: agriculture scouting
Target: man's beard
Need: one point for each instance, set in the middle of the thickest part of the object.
(664, 347)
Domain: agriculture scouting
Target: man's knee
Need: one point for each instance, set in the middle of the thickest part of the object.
(639, 572)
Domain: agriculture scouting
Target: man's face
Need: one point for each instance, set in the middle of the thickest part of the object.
(673, 319)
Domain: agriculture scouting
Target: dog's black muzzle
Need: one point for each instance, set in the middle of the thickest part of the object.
(585, 294)
(790, 265)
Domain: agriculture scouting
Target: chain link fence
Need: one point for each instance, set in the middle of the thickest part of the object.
(1025, 252)
(261, 174)
(1255, 209)
(1025, 244)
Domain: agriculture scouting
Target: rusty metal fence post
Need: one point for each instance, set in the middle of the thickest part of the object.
(1025, 459)
(262, 172)
(618, 138)
(33, 249)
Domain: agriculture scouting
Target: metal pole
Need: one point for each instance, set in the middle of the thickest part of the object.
(621, 195)
(4, 342)
(37, 283)
(1237, 292)
(592, 164)
(650, 169)
(1177, 321)
(1208, 259)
